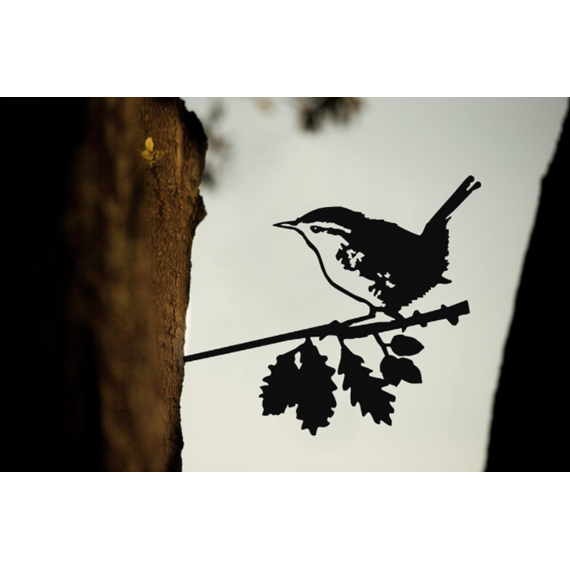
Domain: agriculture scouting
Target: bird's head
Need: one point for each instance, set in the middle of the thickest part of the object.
(326, 228)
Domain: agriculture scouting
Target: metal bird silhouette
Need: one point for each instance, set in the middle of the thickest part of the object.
(378, 262)
(387, 268)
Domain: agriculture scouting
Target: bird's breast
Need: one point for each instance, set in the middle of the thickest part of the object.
(342, 269)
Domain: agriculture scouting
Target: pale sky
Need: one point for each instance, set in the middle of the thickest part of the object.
(399, 160)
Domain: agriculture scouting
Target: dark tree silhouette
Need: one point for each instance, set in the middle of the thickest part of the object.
(530, 419)
(98, 264)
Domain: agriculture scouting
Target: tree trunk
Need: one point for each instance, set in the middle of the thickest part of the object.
(99, 245)
(530, 420)
(174, 211)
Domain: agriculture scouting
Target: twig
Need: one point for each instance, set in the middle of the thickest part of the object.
(381, 343)
(341, 331)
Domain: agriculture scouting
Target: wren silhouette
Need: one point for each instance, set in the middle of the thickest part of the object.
(378, 262)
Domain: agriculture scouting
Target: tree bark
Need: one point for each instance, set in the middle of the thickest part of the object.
(99, 268)
(530, 420)
(175, 209)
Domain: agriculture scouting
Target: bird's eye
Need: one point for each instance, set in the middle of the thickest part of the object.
(315, 229)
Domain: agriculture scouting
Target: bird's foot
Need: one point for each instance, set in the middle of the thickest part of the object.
(367, 317)
(335, 327)
(393, 314)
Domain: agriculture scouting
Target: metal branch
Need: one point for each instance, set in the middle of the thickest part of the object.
(341, 331)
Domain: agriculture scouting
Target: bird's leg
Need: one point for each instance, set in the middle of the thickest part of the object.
(393, 313)
(336, 325)
(367, 317)
(350, 322)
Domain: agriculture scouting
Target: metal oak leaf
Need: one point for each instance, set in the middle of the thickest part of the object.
(365, 389)
(315, 389)
(281, 389)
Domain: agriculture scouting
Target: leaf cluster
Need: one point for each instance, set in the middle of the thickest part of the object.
(310, 387)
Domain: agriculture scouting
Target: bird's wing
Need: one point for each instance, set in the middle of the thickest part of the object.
(402, 265)
(386, 247)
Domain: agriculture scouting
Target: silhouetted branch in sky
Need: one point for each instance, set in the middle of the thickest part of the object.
(309, 386)
(344, 331)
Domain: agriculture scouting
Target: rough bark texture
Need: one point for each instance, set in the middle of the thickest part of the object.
(175, 209)
(99, 262)
(530, 420)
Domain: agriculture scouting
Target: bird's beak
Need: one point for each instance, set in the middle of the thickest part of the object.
(286, 225)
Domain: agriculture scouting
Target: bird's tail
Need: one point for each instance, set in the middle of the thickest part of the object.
(442, 215)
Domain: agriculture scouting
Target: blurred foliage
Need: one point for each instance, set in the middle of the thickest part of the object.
(219, 148)
(314, 113)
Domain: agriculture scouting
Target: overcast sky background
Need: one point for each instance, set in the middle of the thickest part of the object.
(399, 160)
